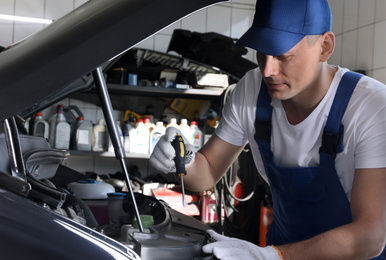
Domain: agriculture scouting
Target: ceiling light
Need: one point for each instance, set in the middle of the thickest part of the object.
(24, 19)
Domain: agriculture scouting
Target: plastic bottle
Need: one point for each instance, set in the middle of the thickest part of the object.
(156, 134)
(142, 138)
(99, 133)
(133, 139)
(62, 132)
(185, 130)
(173, 122)
(126, 128)
(52, 123)
(148, 123)
(40, 126)
(197, 136)
(82, 140)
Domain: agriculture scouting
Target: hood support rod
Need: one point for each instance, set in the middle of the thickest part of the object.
(19, 183)
(14, 149)
(104, 98)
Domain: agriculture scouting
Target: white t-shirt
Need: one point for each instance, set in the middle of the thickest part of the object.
(298, 145)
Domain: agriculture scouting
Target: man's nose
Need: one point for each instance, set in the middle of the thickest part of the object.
(269, 66)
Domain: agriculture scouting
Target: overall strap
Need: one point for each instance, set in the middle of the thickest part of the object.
(263, 121)
(264, 108)
(332, 139)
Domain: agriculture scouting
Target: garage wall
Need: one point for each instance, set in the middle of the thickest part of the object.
(359, 26)
(360, 30)
(230, 19)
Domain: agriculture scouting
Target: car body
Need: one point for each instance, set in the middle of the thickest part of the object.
(37, 221)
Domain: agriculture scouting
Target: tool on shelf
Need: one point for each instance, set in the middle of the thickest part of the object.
(179, 160)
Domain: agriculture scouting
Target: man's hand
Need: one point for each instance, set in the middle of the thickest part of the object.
(164, 153)
(227, 248)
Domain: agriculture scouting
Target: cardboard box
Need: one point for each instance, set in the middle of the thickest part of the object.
(169, 74)
(190, 108)
(212, 80)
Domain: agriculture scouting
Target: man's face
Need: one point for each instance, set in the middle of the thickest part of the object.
(293, 73)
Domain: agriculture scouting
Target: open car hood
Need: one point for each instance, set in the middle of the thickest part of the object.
(52, 61)
(74, 45)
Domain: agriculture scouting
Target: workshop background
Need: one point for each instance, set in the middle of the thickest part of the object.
(359, 26)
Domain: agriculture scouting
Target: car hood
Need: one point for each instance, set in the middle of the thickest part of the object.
(74, 45)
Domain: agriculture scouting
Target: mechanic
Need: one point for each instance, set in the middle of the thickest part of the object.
(318, 137)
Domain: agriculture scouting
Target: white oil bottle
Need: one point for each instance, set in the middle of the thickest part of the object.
(142, 138)
(40, 126)
(148, 124)
(126, 128)
(197, 136)
(185, 129)
(62, 132)
(99, 133)
(133, 139)
(172, 122)
(156, 134)
(82, 140)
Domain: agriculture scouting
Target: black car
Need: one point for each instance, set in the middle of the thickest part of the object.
(40, 220)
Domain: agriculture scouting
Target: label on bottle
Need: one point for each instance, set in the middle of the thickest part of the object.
(101, 140)
(83, 136)
(62, 138)
(40, 129)
(197, 140)
(154, 139)
(126, 143)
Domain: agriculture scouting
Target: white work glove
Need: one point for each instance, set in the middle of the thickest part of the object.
(227, 248)
(162, 157)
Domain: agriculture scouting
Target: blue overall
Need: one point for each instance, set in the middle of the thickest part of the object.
(307, 201)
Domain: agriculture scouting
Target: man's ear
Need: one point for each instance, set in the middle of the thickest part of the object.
(328, 46)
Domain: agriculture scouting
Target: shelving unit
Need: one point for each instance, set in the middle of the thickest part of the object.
(108, 154)
(174, 92)
(124, 96)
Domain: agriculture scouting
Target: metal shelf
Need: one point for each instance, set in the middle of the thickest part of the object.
(155, 91)
(108, 154)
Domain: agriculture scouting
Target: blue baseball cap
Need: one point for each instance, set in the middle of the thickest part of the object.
(279, 25)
